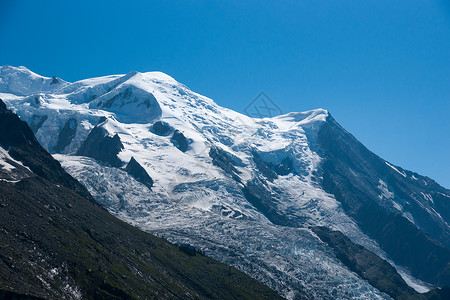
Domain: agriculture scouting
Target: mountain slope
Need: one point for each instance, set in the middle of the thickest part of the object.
(56, 244)
(245, 191)
(408, 217)
(372, 268)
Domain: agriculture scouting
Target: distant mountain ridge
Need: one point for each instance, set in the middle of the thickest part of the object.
(245, 191)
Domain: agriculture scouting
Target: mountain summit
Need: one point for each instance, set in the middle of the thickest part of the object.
(265, 195)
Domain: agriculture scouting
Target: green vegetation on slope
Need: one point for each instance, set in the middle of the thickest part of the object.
(55, 243)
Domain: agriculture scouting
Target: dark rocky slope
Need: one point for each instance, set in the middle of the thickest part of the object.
(378, 272)
(352, 173)
(138, 172)
(161, 128)
(180, 141)
(224, 160)
(100, 146)
(8, 295)
(55, 244)
(66, 135)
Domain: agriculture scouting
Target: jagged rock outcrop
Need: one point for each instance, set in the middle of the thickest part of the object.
(180, 141)
(138, 172)
(37, 121)
(54, 80)
(102, 147)
(224, 160)
(66, 135)
(161, 128)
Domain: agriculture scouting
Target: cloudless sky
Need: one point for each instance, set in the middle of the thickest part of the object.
(382, 68)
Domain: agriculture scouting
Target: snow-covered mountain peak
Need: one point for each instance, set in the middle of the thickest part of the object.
(304, 117)
(139, 97)
(10, 70)
(22, 81)
(307, 120)
(136, 103)
(157, 75)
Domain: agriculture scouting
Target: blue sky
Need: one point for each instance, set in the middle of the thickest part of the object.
(382, 68)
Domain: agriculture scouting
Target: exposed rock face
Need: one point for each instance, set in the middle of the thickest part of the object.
(369, 266)
(138, 172)
(352, 173)
(54, 80)
(37, 122)
(188, 249)
(285, 167)
(100, 146)
(378, 272)
(224, 160)
(257, 193)
(66, 135)
(161, 128)
(180, 141)
(270, 170)
(264, 167)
